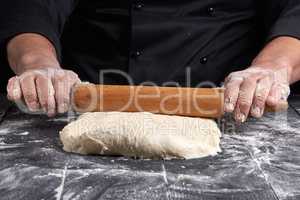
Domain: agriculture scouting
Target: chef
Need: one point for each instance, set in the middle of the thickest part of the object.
(250, 46)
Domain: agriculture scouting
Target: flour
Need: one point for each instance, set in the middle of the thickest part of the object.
(22, 133)
(4, 131)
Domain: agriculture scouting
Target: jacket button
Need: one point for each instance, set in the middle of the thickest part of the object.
(136, 54)
(203, 60)
(138, 6)
(211, 10)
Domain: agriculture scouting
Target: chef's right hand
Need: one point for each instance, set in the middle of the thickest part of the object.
(46, 89)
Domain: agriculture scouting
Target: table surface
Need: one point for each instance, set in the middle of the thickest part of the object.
(260, 160)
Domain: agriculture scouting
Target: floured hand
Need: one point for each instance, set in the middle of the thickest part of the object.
(247, 92)
(46, 89)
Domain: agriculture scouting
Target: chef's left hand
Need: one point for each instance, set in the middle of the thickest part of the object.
(247, 92)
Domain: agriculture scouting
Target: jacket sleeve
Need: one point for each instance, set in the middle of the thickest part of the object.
(45, 17)
(282, 18)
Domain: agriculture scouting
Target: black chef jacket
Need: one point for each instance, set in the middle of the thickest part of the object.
(153, 40)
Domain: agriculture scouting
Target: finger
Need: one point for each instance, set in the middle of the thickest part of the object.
(235, 75)
(245, 98)
(9, 88)
(28, 88)
(73, 77)
(13, 89)
(285, 91)
(278, 92)
(42, 88)
(231, 94)
(62, 87)
(260, 97)
(46, 93)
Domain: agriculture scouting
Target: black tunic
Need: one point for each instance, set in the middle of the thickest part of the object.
(175, 41)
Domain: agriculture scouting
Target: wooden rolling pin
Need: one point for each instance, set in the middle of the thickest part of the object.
(196, 102)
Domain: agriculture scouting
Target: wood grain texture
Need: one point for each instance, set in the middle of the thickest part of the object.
(197, 102)
(194, 102)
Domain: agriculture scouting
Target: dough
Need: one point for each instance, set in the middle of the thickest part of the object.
(143, 135)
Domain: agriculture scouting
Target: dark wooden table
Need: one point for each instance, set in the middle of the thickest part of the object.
(260, 160)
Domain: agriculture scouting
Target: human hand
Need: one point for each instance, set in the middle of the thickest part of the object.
(46, 89)
(247, 92)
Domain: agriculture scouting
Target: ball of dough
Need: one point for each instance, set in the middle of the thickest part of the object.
(142, 135)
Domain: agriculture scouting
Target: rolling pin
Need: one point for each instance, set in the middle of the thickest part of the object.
(194, 102)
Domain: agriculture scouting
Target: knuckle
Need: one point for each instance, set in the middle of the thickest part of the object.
(26, 75)
(230, 83)
(232, 74)
(260, 96)
(73, 75)
(251, 79)
(236, 80)
(59, 78)
(22, 79)
(233, 83)
(236, 73)
(30, 97)
(261, 92)
(243, 95)
(41, 77)
(244, 103)
(260, 100)
(269, 74)
(70, 72)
